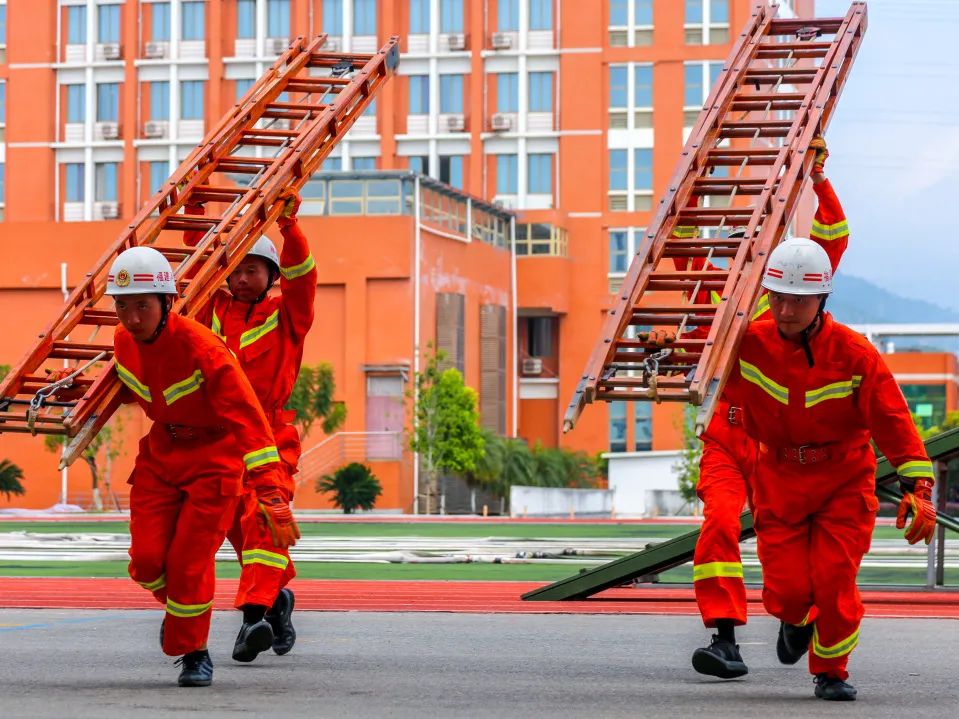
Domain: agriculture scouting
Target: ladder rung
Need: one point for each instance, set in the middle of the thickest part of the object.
(178, 253)
(768, 101)
(645, 317)
(686, 344)
(270, 132)
(638, 382)
(703, 243)
(678, 309)
(692, 275)
(21, 417)
(716, 216)
(297, 106)
(217, 193)
(685, 285)
(242, 164)
(765, 76)
(699, 252)
(755, 128)
(253, 141)
(309, 85)
(787, 26)
(98, 317)
(190, 223)
(722, 156)
(725, 185)
(290, 115)
(331, 60)
(778, 50)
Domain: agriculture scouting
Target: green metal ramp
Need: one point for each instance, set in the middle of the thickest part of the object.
(675, 552)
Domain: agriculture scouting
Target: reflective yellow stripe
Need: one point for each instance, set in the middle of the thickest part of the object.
(291, 273)
(836, 390)
(715, 297)
(717, 569)
(805, 620)
(187, 610)
(217, 326)
(761, 307)
(261, 556)
(752, 374)
(916, 469)
(261, 457)
(836, 650)
(135, 385)
(156, 584)
(251, 336)
(829, 232)
(685, 232)
(184, 387)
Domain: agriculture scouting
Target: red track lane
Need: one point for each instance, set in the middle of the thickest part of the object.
(432, 596)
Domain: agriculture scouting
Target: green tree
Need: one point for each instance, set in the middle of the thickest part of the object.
(353, 487)
(561, 467)
(10, 476)
(445, 424)
(687, 468)
(950, 421)
(312, 400)
(4, 371)
(505, 461)
(98, 455)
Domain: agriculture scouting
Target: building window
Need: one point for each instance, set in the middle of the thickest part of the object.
(418, 163)
(3, 102)
(643, 169)
(278, 18)
(106, 182)
(540, 14)
(618, 252)
(160, 100)
(618, 87)
(699, 78)
(160, 22)
(419, 94)
(541, 92)
(333, 17)
(332, 164)
(108, 23)
(385, 411)
(3, 25)
(451, 16)
(540, 174)
(539, 336)
(643, 90)
(927, 402)
(364, 17)
(618, 13)
(618, 171)
(507, 19)
(3, 181)
(363, 163)
(643, 13)
(159, 172)
(108, 101)
(76, 25)
(246, 19)
(76, 103)
(507, 92)
(451, 170)
(242, 85)
(419, 17)
(450, 338)
(507, 174)
(707, 22)
(191, 99)
(617, 426)
(75, 182)
(643, 426)
(451, 94)
(192, 21)
(492, 400)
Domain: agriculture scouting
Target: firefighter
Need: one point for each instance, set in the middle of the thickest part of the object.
(266, 333)
(208, 434)
(728, 459)
(815, 393)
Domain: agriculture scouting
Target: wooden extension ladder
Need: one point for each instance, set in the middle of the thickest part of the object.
(743, 167)
(273, 139)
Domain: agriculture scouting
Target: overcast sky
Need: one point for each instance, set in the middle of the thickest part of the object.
(894, 144)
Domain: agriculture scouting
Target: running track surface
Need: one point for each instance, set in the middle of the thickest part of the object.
(435, 596)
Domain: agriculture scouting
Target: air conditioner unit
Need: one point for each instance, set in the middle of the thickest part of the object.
(155, 129)
(111, 51)
(533, 365)
(109, 210)
(501, 123)
(155, 50)
(455, 123)
(278, 45)
(457, 42)
(108, 130)
(501, 41)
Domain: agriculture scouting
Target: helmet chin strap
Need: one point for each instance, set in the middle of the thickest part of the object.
(164, 314)
(807, 333)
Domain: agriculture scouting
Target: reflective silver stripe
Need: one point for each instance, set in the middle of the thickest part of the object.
(181, 389)
(752, 374)
(251, 336)
(252, 460)
(291, 273)
(135, 385)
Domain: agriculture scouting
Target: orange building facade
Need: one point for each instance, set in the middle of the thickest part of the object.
(545, 126)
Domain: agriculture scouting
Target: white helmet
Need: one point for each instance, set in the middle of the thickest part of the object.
(265, 248)
(141, 271)
(798, 266)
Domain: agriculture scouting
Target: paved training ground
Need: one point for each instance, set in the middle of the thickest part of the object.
(105, 664)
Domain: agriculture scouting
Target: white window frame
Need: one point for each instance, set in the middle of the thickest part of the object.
(631, 28)
(707, 27)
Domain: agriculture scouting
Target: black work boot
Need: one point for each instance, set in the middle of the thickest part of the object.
(720, 659)
(252, 639)
(197, 669)
(280, 619)
(793, 642)
(162, 630)
(834, 690)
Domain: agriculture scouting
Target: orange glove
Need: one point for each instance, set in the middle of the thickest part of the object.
(292, 206)
(278, 516)
(917, 501)
(822, 152)
(657, 338)
(66, 393)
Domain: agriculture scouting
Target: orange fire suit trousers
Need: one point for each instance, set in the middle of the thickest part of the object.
(182, 501)
(264, 568)
(728, 460)
(813, 531)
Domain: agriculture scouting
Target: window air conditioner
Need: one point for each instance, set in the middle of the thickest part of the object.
(501, 41)
(455, 123)
(155, 50)
(457, 42)
(111, 51)
(279, 45)
(501, 123)
(109, 210)
(108, 130)
(533, 365)
(155, 129)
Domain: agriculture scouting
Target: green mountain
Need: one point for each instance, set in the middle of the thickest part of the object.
(856, 301)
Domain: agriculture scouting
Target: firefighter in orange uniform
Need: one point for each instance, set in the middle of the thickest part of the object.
(208, 433)
(266, 334)
(815, 393)
(728, 460)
